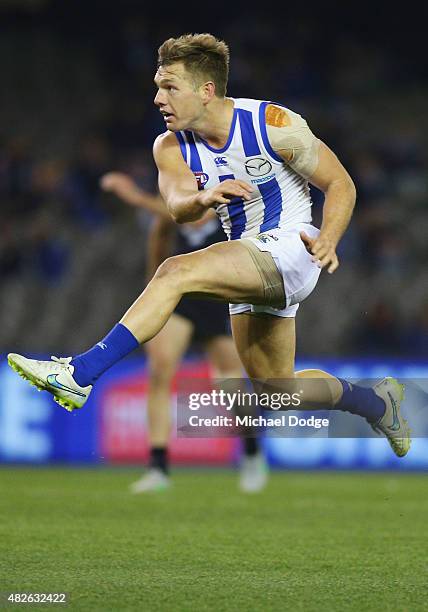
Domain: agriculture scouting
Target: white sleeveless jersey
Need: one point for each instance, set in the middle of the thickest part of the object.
(281, 197)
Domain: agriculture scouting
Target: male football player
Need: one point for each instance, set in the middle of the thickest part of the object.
(251, 161)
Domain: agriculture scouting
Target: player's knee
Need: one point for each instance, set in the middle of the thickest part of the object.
(168, 268)
(159, 379)
(175, 269)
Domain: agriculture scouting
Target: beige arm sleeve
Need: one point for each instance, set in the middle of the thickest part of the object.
(290, 137)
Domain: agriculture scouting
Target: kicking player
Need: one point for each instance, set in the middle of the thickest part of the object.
(251, 162)
(205, 321)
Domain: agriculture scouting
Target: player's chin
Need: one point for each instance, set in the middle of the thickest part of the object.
(172, 124)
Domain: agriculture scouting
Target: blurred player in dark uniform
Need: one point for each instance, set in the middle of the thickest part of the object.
(203, 322)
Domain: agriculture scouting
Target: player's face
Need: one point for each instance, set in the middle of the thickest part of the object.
(177, 98)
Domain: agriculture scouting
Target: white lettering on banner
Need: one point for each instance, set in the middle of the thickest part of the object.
(23, 414)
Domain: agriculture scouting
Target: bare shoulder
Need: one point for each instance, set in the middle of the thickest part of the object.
(165, 142)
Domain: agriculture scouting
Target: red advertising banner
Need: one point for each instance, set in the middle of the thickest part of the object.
(124, 423)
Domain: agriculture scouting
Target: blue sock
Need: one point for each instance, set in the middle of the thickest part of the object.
(116, 345)
(360, 400)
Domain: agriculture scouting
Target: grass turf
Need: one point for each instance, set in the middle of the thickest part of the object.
(311, 541)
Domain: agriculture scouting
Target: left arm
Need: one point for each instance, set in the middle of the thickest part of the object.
(292, 139)
(340, 194)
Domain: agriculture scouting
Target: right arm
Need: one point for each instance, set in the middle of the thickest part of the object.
(179, 188)
(292, 139)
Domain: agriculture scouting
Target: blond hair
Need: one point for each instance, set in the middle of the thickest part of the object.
(204, 56)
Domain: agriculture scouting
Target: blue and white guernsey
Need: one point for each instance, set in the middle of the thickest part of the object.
(281, 197)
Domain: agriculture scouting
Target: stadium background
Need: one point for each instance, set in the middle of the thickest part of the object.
(76, 102)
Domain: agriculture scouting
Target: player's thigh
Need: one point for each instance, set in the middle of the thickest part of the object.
(224, 270)
(266, 344)
(222, 353)
(167, 348)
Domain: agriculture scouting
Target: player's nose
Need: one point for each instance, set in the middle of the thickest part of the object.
(159, 99)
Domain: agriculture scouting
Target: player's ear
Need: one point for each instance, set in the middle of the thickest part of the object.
(207, 91)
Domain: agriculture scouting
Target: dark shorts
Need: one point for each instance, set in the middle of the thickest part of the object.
(209, 318)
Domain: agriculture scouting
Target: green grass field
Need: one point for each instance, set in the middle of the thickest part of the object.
(311, 541)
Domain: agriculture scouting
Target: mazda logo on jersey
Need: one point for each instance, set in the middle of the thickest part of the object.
(258, 166)
(202, 179)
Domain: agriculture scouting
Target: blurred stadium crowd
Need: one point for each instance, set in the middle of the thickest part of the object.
(78, 102)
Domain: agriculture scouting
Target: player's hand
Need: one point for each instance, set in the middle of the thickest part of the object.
(119, 183)
(125, 188)
(116, 181)
(323, 251)
(224, 192)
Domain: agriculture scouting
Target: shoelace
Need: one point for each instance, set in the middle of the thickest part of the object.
(63, 360)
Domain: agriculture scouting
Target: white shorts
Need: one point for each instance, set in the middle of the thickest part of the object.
(299, 273)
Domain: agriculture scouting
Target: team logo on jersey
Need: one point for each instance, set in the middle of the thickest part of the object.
(258, 166)
(220, 161)
(266, 237)
(202, 179)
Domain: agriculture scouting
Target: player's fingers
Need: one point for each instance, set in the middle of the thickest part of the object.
(308, 242)
(221, 200)
(319, 246)
(319, 252)
(316, 247)
(324, 261)
(114, 181)
(232, 184)
(333, 266)
(106, 181)
(236, 191)
(244, 185)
